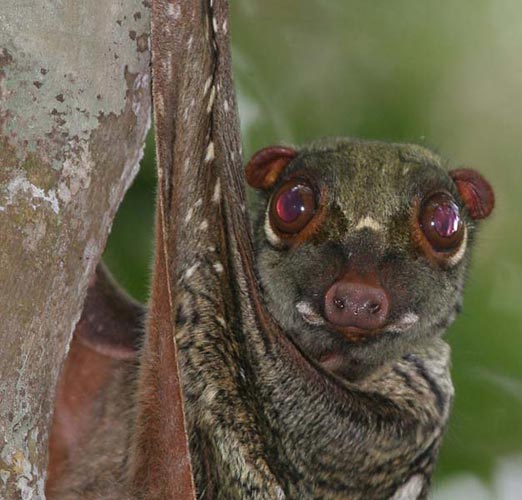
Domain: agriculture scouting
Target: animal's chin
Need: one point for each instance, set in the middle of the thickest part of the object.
(338, 364)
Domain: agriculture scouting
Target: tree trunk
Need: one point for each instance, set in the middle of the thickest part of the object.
(74, 112)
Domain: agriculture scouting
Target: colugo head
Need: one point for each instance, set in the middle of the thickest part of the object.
(363, 246)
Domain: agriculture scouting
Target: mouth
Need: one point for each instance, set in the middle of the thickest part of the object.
(353, 333)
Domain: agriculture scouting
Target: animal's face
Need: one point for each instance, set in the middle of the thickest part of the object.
(363, 246)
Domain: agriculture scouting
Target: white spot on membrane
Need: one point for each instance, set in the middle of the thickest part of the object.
(218, 267)
(211, 99)
(191, 270)
(225, 106)
(210, 153)
(368, 222)
(208, 83)
(214, 25)
(204, 225)
(189, 215)
(224, 26)
(216, 196)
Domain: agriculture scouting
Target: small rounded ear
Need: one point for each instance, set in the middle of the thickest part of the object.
(475, 191)
(264, 167)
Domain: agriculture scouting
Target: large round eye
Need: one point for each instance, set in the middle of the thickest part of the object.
(440, 221)
(292, 207)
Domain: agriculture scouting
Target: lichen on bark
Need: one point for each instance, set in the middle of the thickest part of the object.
(74, 112)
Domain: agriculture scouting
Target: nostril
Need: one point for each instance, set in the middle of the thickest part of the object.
(374, 307)
(339, 303)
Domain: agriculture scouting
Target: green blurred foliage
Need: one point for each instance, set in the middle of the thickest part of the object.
(436, 73)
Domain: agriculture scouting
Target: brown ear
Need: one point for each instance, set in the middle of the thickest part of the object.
(264, 167)
(475, 191)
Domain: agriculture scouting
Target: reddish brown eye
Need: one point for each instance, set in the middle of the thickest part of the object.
(292, 207)
(441, 222)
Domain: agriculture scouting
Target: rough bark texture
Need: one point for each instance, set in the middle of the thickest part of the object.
(74, 111)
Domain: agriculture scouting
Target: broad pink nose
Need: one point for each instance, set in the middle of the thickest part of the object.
(355, 304)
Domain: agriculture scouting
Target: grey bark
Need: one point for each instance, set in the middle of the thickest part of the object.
(74, 112)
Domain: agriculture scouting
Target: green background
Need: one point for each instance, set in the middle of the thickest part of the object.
(444, 74)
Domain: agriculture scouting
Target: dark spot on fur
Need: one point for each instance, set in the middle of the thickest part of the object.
(434, 387)
(181, 317)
